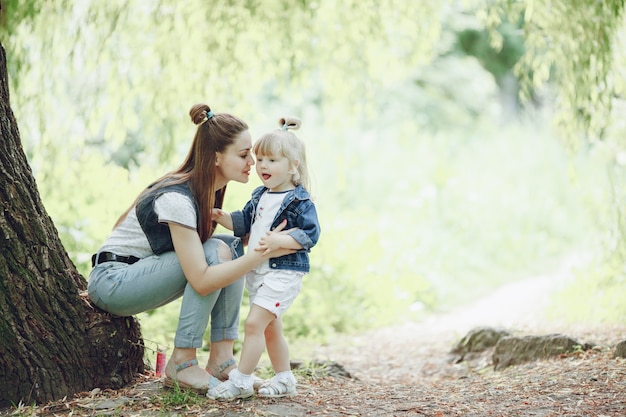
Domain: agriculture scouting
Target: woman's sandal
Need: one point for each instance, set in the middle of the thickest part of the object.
(173, 382)
(219, 371)
(278, 386)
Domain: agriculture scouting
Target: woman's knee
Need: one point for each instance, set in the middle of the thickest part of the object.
(217, 251)
(223, 252)
(234, 243)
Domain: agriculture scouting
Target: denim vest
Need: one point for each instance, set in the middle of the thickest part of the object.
(158, 234)
(299, 211)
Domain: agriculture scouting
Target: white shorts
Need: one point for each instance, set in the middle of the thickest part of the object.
(274, 290)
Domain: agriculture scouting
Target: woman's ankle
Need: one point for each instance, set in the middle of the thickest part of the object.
(181, 355)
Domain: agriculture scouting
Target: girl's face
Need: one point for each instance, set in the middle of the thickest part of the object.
(235, 162)
(276, 172)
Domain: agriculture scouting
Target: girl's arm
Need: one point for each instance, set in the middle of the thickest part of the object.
(274, 241)
(222, 218)
(304, 236)
(205, 278)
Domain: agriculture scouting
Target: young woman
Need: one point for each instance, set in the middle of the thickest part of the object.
(273, 285)
(162, 248)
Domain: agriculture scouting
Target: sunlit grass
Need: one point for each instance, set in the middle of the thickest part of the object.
(178, 397)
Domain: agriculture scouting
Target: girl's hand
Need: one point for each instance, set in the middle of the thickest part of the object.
(222, 217)
(216, 213)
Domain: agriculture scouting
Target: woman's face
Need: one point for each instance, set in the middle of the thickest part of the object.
(235, 162)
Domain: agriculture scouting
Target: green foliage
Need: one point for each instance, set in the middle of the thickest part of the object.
(13, 14)
(498, 61)
(84, 207)
(596, 296)
(576, 49)
(597, 293)
(117, 76)
(572, 44)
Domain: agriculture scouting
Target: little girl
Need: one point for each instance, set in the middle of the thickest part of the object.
(274, 285)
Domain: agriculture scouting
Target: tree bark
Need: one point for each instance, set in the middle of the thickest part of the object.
(53, 342)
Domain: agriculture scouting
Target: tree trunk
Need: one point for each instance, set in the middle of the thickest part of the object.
(53, 342)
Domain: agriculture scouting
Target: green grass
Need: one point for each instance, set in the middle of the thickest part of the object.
(177, 397)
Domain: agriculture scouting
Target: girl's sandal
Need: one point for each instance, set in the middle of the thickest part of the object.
(219, 371)
(173, 382)
(278, 386)
(228, 391)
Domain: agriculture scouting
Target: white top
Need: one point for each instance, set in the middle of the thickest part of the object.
(128, 238)
(266, 210)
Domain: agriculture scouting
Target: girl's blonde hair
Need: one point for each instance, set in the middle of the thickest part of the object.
(215, 132)
(282, 142)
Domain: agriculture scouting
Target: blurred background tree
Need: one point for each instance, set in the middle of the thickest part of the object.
(577, 49)
(436, 170)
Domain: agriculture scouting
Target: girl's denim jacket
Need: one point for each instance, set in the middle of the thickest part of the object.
(299, 211)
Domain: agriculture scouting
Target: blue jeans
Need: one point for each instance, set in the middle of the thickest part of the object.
(126, 290)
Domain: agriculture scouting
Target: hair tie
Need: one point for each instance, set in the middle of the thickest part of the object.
(284, 126)
(208, 115)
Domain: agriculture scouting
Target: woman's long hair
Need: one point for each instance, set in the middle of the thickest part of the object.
(216, 131)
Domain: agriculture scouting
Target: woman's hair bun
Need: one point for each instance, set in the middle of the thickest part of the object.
(198, 113)
(290, 123)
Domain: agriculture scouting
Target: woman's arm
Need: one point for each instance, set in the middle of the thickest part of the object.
(205, 278)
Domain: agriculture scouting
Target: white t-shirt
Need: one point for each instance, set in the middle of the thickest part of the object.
(128, 238)
(266, 210)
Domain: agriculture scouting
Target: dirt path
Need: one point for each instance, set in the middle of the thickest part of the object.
(411, 351)
(406, 370)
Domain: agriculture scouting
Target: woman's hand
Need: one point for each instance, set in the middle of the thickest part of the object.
(278, 242)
